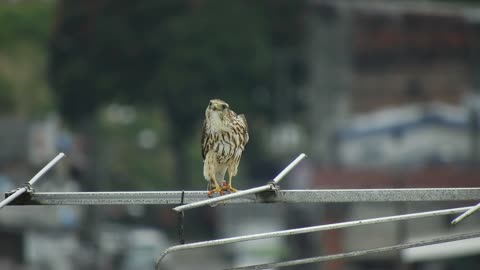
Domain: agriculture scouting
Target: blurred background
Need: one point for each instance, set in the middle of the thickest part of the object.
(379, 94)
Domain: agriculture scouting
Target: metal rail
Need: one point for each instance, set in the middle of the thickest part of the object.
(422, 243)
(306, 230)
(280, 196)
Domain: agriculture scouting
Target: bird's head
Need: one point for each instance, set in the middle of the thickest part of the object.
(217, 110)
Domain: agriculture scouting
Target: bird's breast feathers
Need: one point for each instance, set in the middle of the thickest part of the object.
(227, 144)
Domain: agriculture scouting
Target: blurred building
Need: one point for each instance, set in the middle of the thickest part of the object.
(366, 57)
(408, 136)
(38, 237)
(392, 95)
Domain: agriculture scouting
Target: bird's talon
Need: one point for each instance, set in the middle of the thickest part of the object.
(231, 189)
(213, 191)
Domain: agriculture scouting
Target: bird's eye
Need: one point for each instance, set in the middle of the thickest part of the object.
(224, 106)
(210, 103)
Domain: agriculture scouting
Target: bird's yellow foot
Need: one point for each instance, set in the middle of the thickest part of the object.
(232, 189)
(229, 188)
(216, 189)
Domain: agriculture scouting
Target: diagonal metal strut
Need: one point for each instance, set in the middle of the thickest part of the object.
(421, 243)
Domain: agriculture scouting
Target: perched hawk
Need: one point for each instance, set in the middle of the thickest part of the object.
(224, 136)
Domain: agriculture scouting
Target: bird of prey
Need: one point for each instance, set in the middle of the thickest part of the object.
(224, 136)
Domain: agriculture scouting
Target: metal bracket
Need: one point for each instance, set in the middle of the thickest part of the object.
(28, 186)
(268, 196)
(23, 198)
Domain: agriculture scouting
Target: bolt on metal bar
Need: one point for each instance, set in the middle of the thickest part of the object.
(360, 253)
(280, 196)
(32, 181)
(466, 214)
(307, 230)
(269, 186)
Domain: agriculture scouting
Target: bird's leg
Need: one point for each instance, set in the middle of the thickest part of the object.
(216, 189)
(229, 186)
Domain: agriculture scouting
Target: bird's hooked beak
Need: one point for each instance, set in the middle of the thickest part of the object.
(215, 106)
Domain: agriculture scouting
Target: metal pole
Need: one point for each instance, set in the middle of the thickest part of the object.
(12, 197)
(290, 166)
(223, 198)
(307, 230)
(45, 169)
(32, 181)
(360, 253)
(466, 214)
(270, 186)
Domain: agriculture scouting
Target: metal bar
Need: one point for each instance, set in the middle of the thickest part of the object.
(123, 198)
(32, 181)
(269, 186)
(360, 253)
(214, 201)
(12, 197)
(290, 166)
(280, 196)
(466, 214)
(46, 169)
(307, 230)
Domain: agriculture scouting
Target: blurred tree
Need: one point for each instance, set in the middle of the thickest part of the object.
(24, 33)
(135, 150)
(172, 53)
(175, 54)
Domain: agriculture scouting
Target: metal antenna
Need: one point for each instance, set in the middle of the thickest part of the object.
(306, 230)
(29, 184)
(257, 195)
(270, 186)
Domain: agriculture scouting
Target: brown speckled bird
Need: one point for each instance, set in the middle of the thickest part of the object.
(224, 136)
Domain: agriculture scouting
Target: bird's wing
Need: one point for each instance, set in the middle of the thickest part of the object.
(204, 140)
(244, 120)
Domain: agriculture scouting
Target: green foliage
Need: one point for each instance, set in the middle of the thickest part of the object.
(159, 53)
(25, 22)
(24, 32)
